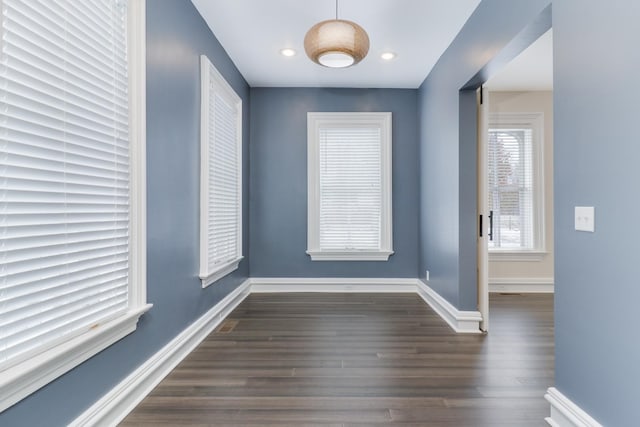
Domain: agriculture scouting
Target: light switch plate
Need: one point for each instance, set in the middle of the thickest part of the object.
(585, 218)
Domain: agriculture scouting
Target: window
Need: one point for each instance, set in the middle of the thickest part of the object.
(72, 193)
(515, 183)
(349, 194)
(221, 176)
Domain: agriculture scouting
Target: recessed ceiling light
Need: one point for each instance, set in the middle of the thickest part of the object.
(388, 56)
(287, 52)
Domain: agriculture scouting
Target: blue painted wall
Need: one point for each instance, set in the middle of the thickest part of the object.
(495, 33)
(595, 106)
(176, 36)
(279, 180)
(596, 155)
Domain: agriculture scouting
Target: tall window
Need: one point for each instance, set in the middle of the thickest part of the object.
(221, 176)
(349, 195)
(515, 182)
(72, 255)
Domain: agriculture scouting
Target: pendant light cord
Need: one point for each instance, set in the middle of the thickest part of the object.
(336, 10)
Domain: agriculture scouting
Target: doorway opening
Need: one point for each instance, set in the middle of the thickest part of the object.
(515, 177)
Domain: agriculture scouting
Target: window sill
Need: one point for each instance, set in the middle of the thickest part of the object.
(19, 381)
(350, 256)
(220, 272)
(526, 256)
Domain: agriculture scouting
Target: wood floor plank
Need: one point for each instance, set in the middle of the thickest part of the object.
(360, 360)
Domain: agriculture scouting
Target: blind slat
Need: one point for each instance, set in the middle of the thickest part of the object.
(64, 171)
(350, 188)
(223, 225)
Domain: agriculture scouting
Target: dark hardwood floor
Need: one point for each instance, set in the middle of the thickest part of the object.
(361, 360)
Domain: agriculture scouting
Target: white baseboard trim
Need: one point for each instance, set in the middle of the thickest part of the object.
(460, 321)
(522, 285)
(331, 284)
(565, 413)
(467, 322)
(117, 403)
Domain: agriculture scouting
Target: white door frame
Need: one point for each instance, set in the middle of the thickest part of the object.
(483, 208)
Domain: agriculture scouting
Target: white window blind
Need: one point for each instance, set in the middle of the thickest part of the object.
(350, 188)
(221, 186)
(511, 188)
(223, 191)
(64, 171)
(349, 183)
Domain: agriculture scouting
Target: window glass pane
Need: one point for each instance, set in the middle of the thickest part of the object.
(511, 188)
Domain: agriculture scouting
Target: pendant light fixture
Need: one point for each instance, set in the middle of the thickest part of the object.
(336, 43)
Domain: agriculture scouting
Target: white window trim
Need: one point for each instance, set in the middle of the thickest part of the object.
(314, 122)
(349, 255)
(206, 69)
(220, 272)
(535, 121)
(30, 375)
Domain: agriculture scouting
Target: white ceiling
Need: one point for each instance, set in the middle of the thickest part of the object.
(253, 32)
(531, 70)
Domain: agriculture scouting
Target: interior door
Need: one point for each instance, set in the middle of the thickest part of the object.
(484, 218)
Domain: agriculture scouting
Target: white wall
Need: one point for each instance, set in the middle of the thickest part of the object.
(529, 275)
